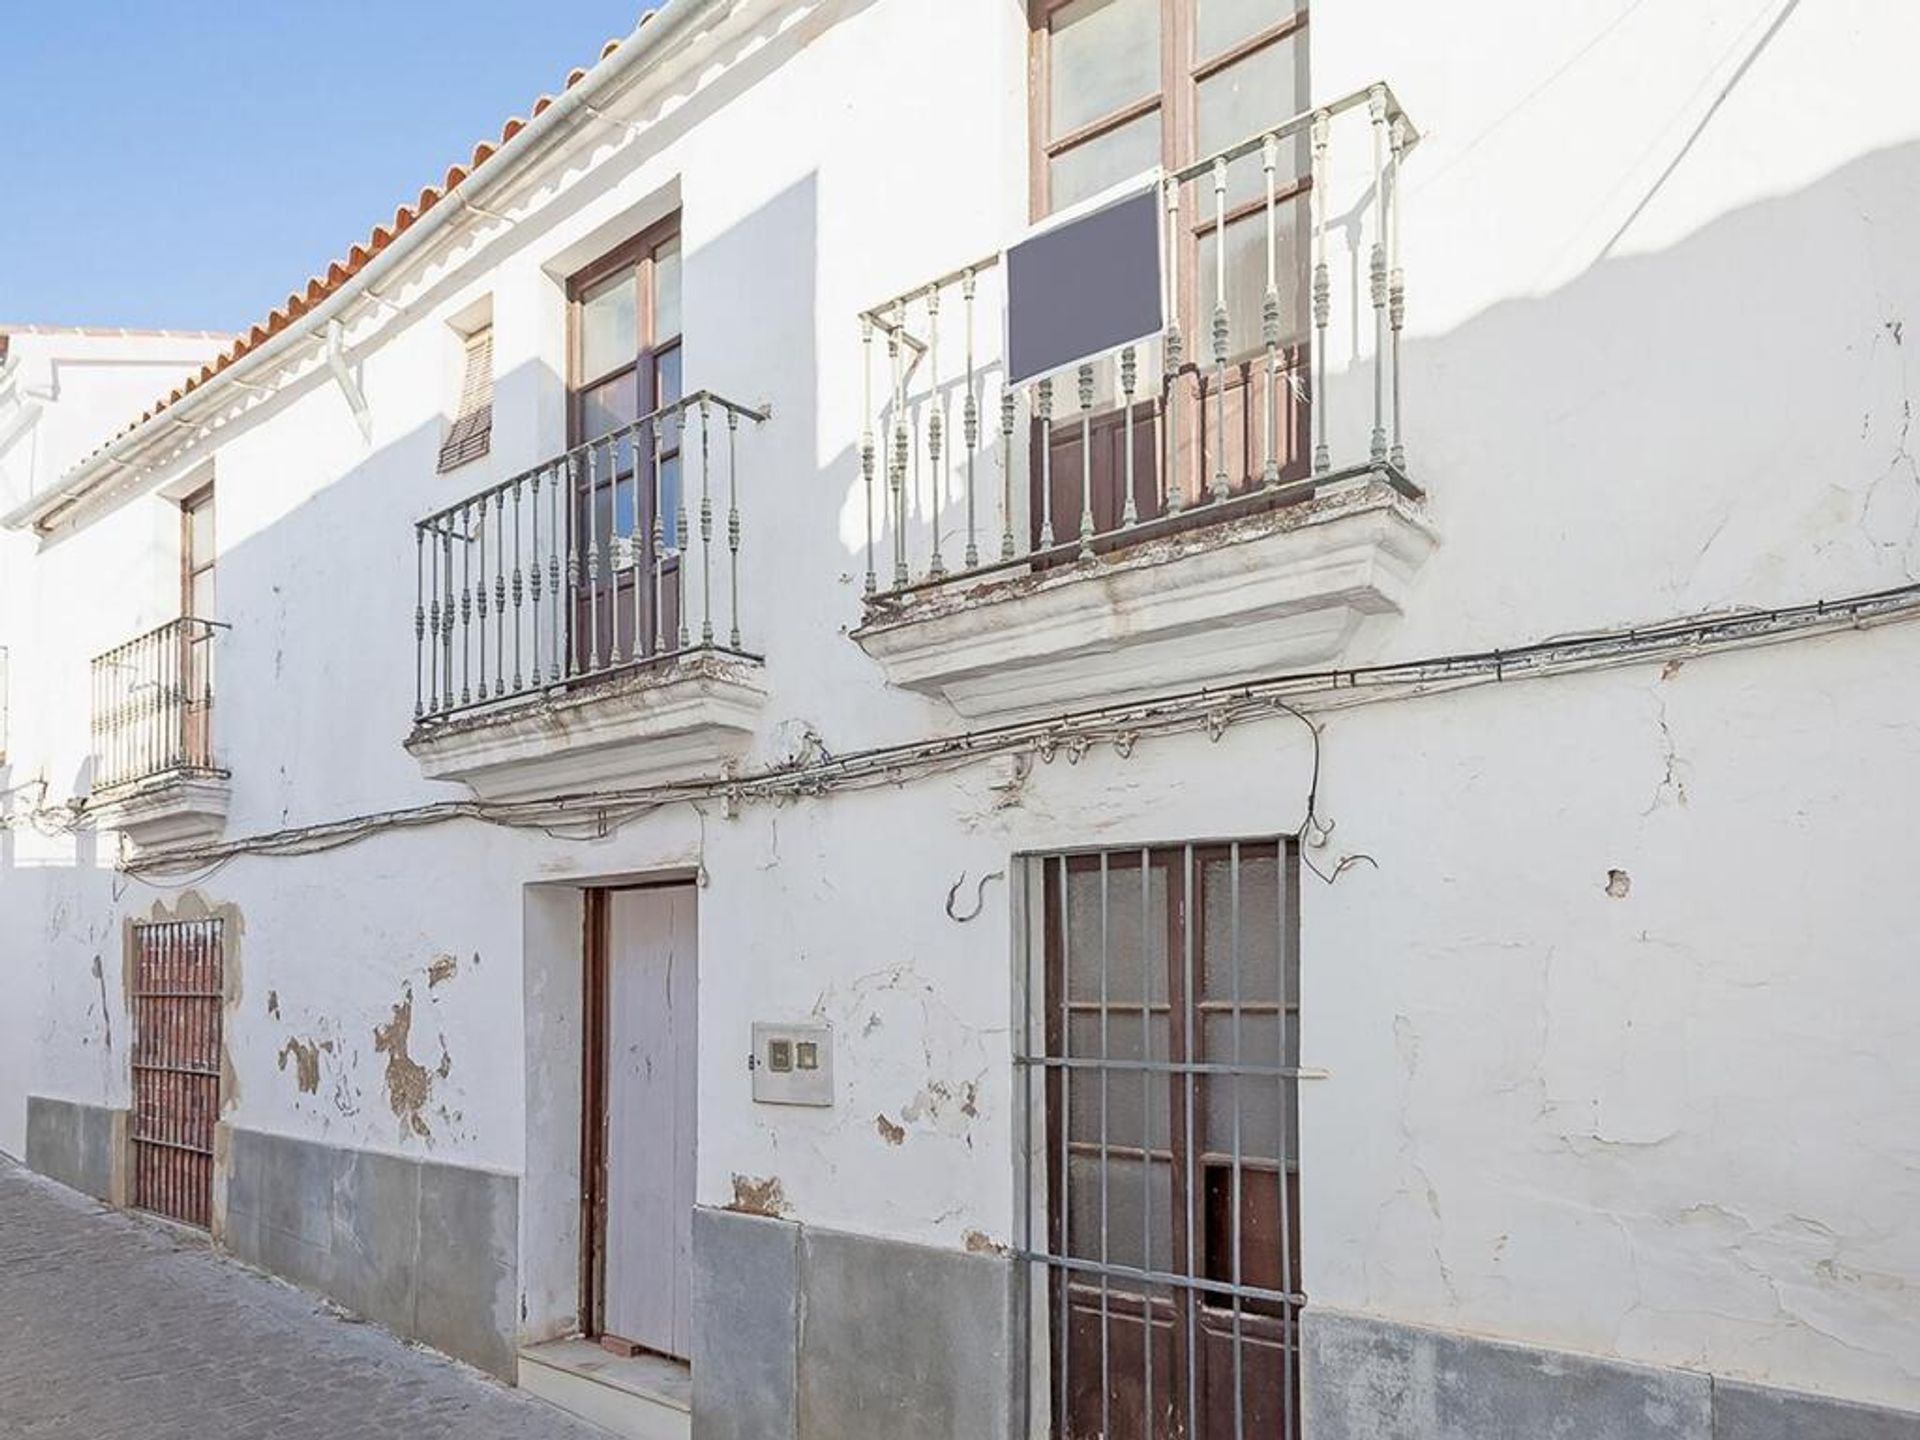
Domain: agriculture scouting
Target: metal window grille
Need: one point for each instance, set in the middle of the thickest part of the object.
(1157, 1060)
(177, 1002)
(471, 433)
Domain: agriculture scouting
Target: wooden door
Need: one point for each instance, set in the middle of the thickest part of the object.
(648, 1054)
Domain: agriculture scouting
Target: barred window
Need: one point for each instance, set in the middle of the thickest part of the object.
(471, 433)
(1159, 1067)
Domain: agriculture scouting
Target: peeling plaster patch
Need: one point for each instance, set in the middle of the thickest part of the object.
(891, 1133)
(946, 1106)
(1671, 668)
(106, 1015)
(754, 1196)
(273, 1003)
(979, 1243)
(1619, 883)
(409, 1083)
(442, 968)
(305, 1055)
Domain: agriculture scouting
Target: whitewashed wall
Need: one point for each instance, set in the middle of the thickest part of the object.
(1671, 1126)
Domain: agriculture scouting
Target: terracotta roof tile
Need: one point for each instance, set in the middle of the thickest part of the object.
(319, 287)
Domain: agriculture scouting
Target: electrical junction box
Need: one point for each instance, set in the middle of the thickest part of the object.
(792, 1064)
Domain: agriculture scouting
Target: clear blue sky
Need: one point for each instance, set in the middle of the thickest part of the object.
(186, 165)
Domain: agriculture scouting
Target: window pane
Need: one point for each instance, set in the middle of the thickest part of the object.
(666, 383)
(1222, 24)
(606, 407)
(1259, 92)
(1247, 281)
(666, 292)
(609, 334)
(670, 503)
(200, 533)
(200, 596)
(1105, 160)
(1104, 54)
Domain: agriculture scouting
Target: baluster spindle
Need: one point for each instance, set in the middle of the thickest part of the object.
(733, 525)
(1220, 483)
(1270, 317)
(679, 545)
(970, 425)
(1129, 510)
(897, 468)
(866, 439)
(1086, 462)
(1170, 399)
(1008, 405)
(1397, 289)
(936, 436)
(536, 568)
(499, 591)
(560, 653)
(660, 539)
(706, 541)
(636, 646)
(1377, 273)
(477, 537)
(1322, 290)
(593, 559)
(519, 559)
(466, 604)
(419, 619)
(573, 563)
(446, 614)
(1047, 463)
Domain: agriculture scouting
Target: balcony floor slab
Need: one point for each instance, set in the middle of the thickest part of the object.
(1215, 605)
(654, 725)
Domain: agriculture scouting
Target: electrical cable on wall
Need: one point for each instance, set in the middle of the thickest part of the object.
(1120, 725)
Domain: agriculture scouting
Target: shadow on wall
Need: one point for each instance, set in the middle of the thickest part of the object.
(1721, 422)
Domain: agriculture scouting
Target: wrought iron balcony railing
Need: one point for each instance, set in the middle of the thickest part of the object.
(1226, 410)
(596, 562)
(153, 706)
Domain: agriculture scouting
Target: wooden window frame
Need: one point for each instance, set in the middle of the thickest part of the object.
(1182, 71)
(636, 255)
(1177, 100)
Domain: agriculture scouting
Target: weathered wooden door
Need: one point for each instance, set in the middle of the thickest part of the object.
(650, 994)
(177, 1003)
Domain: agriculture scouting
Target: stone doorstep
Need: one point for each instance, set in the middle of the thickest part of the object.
(643, 1397)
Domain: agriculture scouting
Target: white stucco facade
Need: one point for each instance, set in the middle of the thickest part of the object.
(1617, 1024)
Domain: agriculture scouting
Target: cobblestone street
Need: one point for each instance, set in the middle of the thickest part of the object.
(113, 1326)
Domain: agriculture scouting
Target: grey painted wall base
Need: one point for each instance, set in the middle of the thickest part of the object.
(428, 1250)
(78, 1145)
(1369, 1379)
(808, 1334)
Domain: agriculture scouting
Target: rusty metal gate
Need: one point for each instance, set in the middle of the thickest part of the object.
(176, 1066)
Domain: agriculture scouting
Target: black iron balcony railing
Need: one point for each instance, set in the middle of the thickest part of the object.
(153, 706)
(607, 558)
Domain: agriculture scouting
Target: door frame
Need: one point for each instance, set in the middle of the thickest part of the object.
(595, 948)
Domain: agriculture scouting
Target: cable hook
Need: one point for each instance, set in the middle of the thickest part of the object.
(979, 896)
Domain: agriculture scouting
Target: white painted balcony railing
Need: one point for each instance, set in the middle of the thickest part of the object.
(610, 557)
(1228, 410)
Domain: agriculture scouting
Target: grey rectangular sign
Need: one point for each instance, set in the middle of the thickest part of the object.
(1084, 287)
